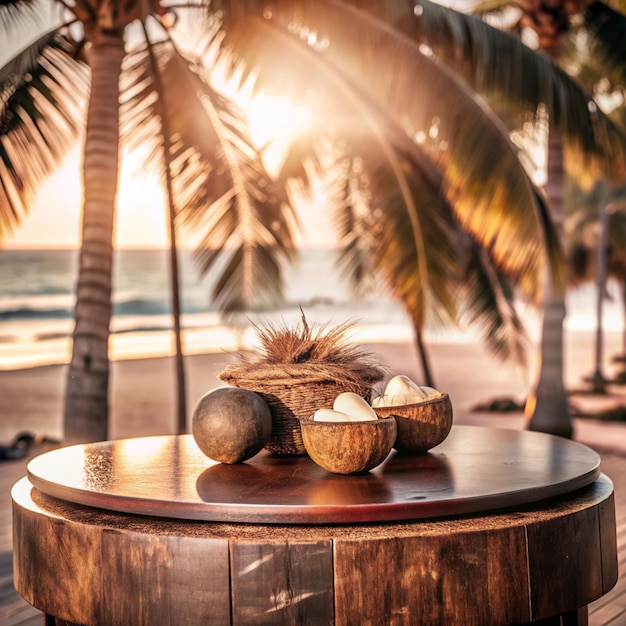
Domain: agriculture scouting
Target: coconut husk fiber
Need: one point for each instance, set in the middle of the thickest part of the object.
(298, 371)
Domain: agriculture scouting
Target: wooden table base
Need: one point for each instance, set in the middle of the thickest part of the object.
(89, 566)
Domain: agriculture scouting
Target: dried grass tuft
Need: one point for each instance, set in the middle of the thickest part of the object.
(307, 344)
(307, 353)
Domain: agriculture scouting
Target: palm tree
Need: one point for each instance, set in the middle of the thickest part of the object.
(597, 379)
(475, 291)
(337, 56)
(517, 76)
(617, 267)
(601, 29)
(186, 124)
(598, 252)
(499, 69)
(599, 209)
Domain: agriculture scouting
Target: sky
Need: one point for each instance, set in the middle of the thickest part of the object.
(53, 220)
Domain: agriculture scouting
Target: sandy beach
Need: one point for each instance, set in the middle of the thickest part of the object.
(142, 390)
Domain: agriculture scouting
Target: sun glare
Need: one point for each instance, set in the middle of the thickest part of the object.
(141, 220)
(271, 117)
(273, 123)
(273, 120)
(54, 218)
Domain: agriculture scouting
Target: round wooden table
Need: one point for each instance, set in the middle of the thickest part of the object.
(491, 527)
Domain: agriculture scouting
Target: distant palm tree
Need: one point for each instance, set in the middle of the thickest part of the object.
(598, 252)
(439, 163)
(566, 32)
(616, 266)
(598, 210)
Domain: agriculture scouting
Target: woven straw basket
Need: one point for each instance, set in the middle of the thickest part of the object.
(297, 390)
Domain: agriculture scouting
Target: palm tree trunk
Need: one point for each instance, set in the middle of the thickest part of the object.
(181, 421)
(181, 393)
(86, 401)
(598, 381)
(620, 376)
(423, 356)
(547, 408)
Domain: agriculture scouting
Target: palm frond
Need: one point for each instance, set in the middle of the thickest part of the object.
(194, 140)
(353, 220)
(482, 176)
(606, 28)
(495, 62)
(253, 223)
(490, 305)
(403, 259)
(42, 93)
(236, 217)
(344, 110)
(17, 13)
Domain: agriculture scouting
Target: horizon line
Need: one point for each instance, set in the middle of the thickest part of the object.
(63, 247)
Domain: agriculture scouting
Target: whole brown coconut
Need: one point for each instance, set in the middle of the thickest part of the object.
(231, 424)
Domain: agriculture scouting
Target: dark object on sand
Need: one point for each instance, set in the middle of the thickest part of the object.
(500, 405)
(615, 414)
(21, 446)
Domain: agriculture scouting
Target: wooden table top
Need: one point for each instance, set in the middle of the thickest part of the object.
(474, 470)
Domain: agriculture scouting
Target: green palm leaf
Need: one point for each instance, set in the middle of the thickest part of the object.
(400, 253)
(491, 306)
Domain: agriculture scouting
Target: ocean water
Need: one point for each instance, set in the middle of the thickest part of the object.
(37, 293)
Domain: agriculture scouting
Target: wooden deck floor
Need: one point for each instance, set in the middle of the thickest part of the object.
(13, 610)
(608, 610)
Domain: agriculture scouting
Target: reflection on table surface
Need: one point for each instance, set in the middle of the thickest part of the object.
(474, 469)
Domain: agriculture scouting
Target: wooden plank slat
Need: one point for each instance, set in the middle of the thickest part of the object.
(281, 583)
(162, 579)
(64, 571)
(199, 585)
(565, 560)
(608, 543)
(119, 573)
(415, 580)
